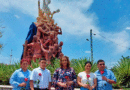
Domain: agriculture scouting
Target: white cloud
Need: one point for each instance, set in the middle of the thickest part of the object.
(17, 16)
(87, 51)
(71, 18)
(6, 60)
(128, 28)
(73, 21)
(3, 59)
(25, 6)
(8, 33)
(111, 64)
(114, 63)
(120, 40)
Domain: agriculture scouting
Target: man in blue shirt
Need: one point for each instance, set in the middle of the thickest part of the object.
(105, 77)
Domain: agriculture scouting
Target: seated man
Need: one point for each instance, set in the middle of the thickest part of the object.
(59, 48)
(49, 41)
(38, 48)
(57, 28)
(41, 31)
(55, 50)
(29, 55)
(50, 52)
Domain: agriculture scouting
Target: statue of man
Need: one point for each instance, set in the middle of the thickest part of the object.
(46, 9)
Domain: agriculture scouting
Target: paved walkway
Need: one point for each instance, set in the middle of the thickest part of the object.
(8, 87)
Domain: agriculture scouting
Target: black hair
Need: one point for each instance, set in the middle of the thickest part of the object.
(88, 62)
(100, 60)
(42, 59)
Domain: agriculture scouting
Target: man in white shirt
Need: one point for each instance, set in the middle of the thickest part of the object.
(40, 78)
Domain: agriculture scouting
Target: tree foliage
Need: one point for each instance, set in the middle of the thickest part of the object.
(79, 65)
(122, 71)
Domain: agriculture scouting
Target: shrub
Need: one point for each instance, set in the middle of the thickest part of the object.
(122, 72)
(6, 72)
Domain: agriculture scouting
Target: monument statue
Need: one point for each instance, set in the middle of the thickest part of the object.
(42, 38)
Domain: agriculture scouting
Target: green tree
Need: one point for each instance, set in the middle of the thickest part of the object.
(122, 71)
(79, 65)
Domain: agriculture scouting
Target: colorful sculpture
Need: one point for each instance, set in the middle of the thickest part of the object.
(44, 42)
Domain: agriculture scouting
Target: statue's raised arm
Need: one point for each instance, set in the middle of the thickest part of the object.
(46, 9)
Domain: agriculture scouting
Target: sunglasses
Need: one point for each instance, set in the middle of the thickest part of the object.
(101, 64)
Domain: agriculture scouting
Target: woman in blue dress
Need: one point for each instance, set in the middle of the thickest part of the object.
(86, 79)
(20, 78)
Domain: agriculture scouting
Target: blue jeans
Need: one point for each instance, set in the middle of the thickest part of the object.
(82, 88)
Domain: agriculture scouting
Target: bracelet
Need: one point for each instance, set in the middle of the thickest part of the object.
(107, 80)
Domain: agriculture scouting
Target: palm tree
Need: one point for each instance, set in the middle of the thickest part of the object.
(122, 71)
(79, 65)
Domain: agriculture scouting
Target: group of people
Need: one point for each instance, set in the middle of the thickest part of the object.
(64, 77)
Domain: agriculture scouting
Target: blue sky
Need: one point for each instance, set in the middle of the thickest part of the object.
(109, 20)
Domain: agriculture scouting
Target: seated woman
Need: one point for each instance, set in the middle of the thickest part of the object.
(20, 78)
(64, 77)
(86, 79)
